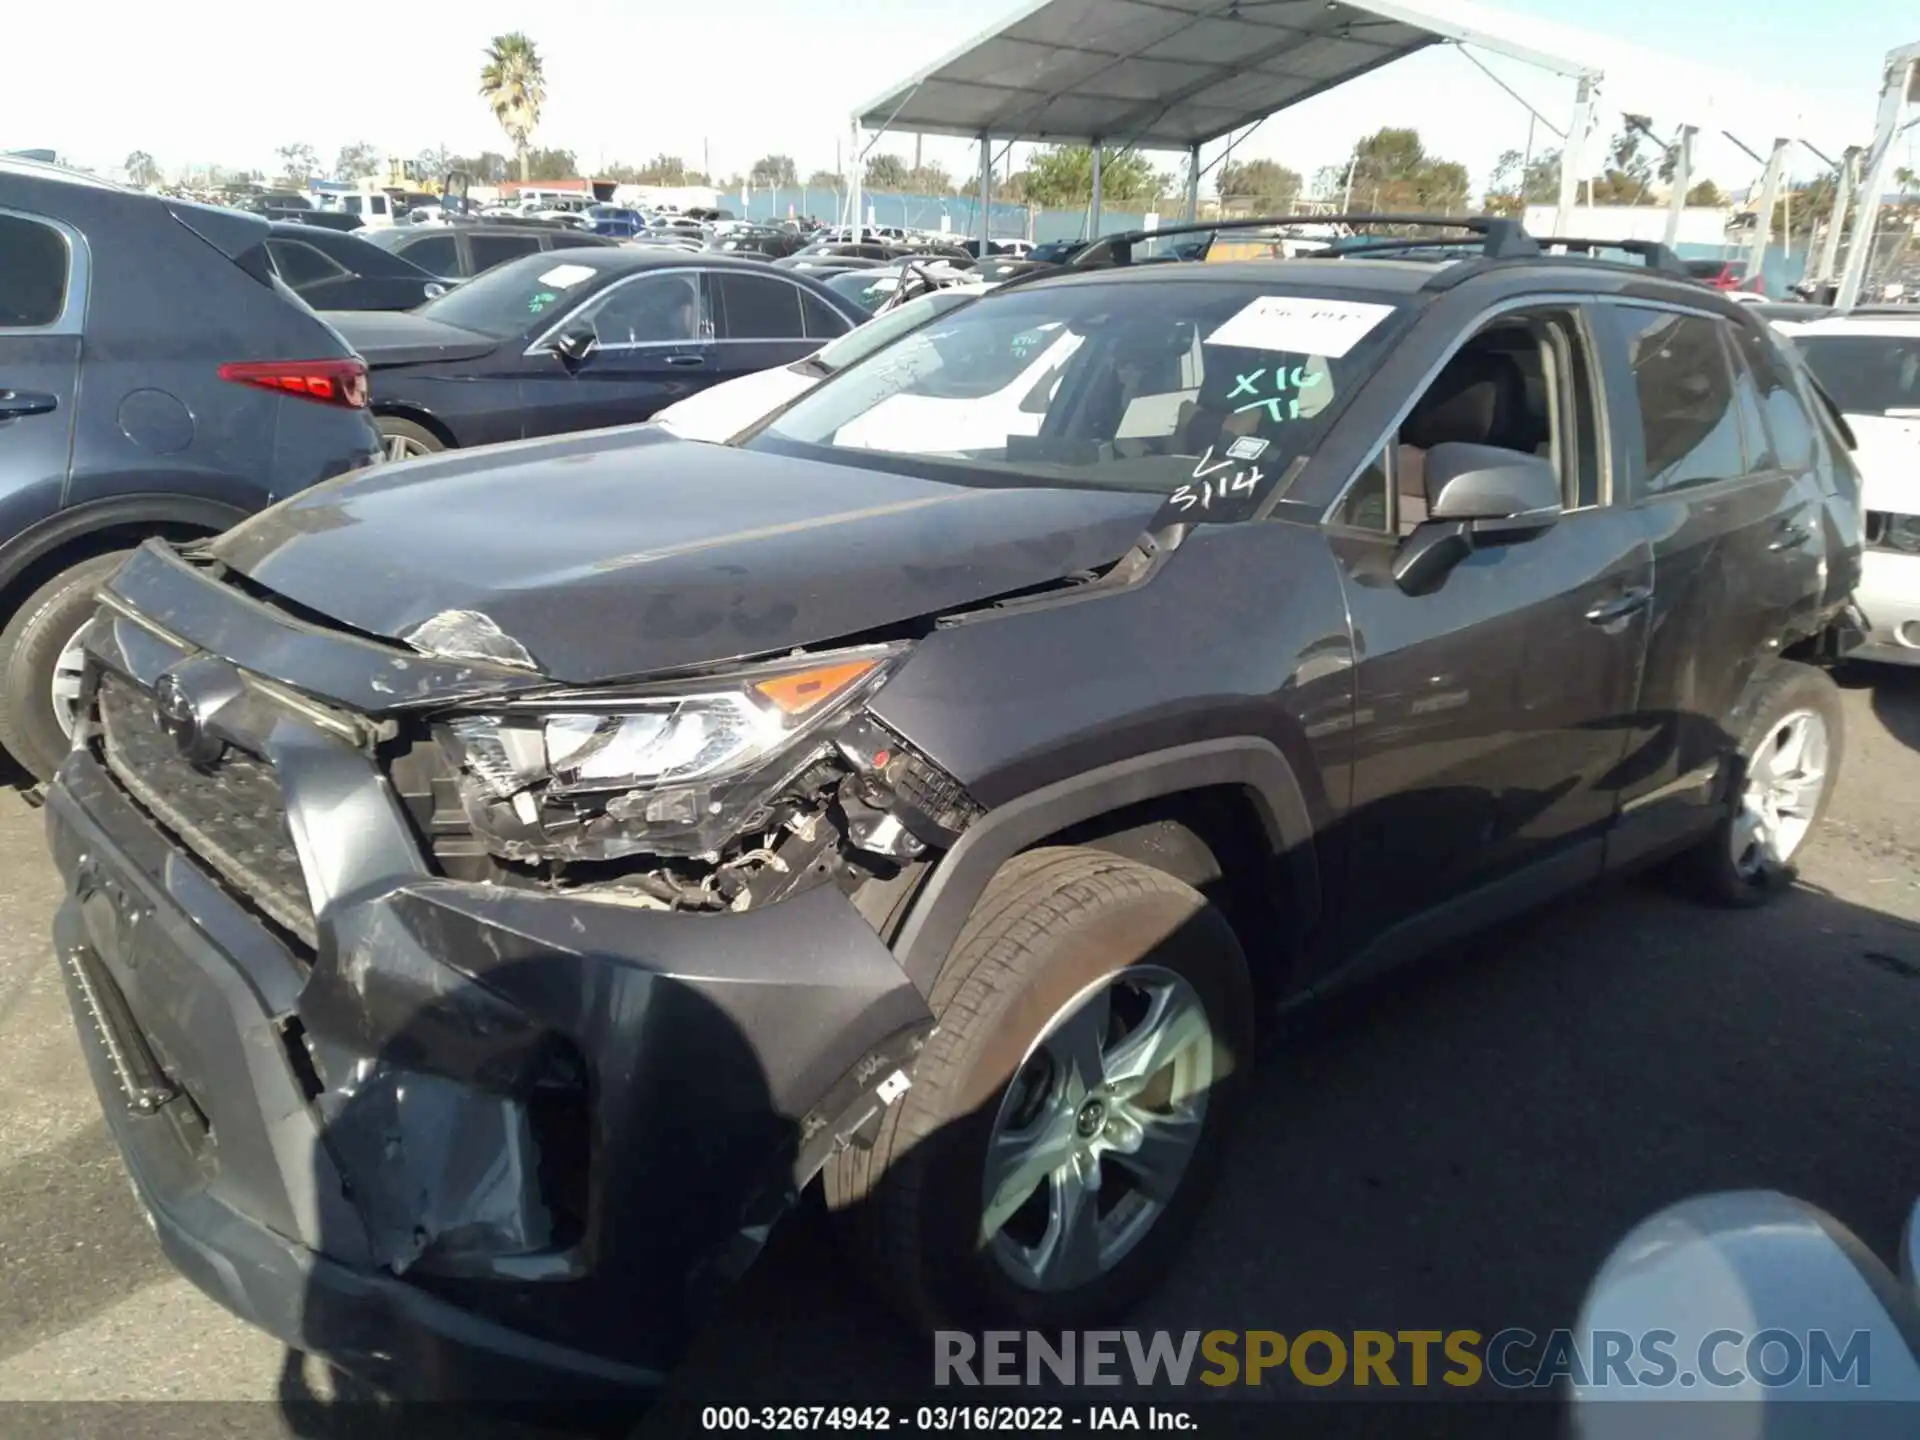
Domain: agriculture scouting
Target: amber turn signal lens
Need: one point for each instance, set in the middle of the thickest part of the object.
(801, 691)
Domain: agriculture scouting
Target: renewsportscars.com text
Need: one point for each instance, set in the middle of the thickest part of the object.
(1510, 1359)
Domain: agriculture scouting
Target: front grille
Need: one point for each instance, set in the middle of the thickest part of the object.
(230, 814)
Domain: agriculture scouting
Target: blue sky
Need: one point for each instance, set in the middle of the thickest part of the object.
(212, 81)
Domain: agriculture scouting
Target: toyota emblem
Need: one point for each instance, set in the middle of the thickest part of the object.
(179, 716)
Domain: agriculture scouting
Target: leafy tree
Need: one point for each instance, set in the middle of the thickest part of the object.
(433, 162)
(548, 165)
(1517, 182)
(297, 164)
(826, 180)
(141, 171)
(1628, 176)
(356, 161)
(664, 169)
(1062, 175)
(774, 170)
(1269, 184)
(1393, 173)
(885, 172)
(489, 167)
(929, 179)
(513, 82)
(1708, 193)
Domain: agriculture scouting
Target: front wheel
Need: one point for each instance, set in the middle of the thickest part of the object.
(1066, 1117)
(1786, 766)
(40, 662)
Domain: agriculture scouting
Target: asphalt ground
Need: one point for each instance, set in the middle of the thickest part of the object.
(1459, 1147)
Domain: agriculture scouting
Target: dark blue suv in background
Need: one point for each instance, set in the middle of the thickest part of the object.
(155, 379)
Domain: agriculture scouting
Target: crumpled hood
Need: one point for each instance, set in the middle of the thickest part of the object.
(620, 552)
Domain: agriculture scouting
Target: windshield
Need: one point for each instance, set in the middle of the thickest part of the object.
(862, 341)
(1120, 383)
(509, 298)
(1867, 374)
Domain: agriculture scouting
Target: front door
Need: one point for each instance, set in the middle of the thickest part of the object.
(1490, 713)
(40, 312)
(652, 345)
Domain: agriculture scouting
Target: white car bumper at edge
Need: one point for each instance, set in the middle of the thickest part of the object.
(1889, 594)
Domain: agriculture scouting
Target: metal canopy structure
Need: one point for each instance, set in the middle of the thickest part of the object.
(1176, 74)
(1164, 74)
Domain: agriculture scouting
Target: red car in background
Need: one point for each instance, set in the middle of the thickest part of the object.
(1722, 274)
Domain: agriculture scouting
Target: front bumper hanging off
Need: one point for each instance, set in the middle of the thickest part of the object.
(475, 1139)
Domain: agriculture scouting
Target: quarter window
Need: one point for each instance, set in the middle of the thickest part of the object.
(1788, 423)
(1688, 419)
(1754, 437)
(822, 320)
(757, 307)
(300, 264)
(33, 273)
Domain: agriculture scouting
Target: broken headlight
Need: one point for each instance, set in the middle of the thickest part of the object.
(676, 769)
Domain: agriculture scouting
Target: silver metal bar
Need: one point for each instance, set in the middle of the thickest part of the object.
(1093, 215)
(1896, 92)
(1572, 153)
(1682, 179)
(1193, 183)
(986, 195)
(1770, 184)
(1843, 188)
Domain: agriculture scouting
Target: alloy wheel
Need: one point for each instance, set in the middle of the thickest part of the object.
(1786, 779)
(1096, 1129)
(64, 689)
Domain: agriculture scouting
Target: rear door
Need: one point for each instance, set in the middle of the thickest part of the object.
(760, 321)
(653, 345)
(43, 286)
(1732, 537)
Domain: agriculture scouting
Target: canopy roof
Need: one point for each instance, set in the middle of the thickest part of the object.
(1167, 74)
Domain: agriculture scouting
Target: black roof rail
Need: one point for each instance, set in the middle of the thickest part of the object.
(1497, 237)
(1655, 255)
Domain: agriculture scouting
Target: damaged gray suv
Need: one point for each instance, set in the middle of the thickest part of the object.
(500, 885)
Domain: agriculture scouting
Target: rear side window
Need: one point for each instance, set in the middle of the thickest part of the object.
(1788, 423)
(439, 254)
(1867, 374)
(33, 273)
(1684, 382)
(757, 307)
(822, 320)
(492, 250)
(301, 264)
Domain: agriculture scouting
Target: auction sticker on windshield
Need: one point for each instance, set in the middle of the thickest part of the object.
(1299, 325)
(565, 275)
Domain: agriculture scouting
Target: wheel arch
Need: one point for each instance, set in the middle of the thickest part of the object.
(414, 414)
(1109, 808)
(94, 527)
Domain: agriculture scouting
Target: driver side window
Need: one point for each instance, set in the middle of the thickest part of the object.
(650, 310)
(1523, 383)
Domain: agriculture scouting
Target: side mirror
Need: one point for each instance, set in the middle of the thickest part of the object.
(574, 344)
(1480, 495)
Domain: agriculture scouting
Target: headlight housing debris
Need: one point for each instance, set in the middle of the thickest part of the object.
(676, 769)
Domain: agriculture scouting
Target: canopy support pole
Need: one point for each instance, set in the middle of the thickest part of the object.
(1682, 182)
(1770, 183)
(1193, 183)
(1901, 87)
(1093, 215)
(986, 196)
(1572, 153)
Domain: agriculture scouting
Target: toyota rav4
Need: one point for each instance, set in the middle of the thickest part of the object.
(499, 885)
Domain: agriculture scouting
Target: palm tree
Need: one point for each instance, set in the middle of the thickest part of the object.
(515, 85)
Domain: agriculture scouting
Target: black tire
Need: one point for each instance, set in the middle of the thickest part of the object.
(1709, 870)
(1051, 923)
(30, 644)
(392, 427)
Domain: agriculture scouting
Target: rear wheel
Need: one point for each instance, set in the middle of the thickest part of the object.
(1066, 1117)
(404, 440)
(40, 662)
(1787, 763)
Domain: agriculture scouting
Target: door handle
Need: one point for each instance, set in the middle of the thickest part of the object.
(1792, 535)
(1620, 606)
(687, 362)
(17, 403)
